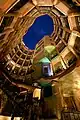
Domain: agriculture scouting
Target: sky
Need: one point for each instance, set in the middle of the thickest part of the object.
(42, 26)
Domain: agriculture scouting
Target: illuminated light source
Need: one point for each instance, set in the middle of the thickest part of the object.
(37, 93)
(44, 60)
(8, 57)
(64, 66)
(8, 68)
(49, 48)
(35, 84)
(8, 118)
(51, 72)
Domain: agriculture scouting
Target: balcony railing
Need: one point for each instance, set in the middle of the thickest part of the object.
(70, 115)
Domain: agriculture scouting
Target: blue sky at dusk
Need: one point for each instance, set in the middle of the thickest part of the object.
(42, 26)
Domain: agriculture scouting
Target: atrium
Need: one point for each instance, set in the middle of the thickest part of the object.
(40, 66)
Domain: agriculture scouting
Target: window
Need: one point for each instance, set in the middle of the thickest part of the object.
(78, 20)
(45, 69)
(66, 37)
(20, 4)
(72, 61)
(2, 37)
(57, 41)
(61, 46)
(7, 21)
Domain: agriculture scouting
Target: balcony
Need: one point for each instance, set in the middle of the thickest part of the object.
(72, 61)
(60, 46)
